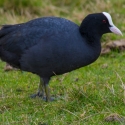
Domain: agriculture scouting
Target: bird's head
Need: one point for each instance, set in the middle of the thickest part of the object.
(111, 26)
(99, 23)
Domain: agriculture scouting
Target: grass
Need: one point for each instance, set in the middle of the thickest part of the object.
(87, 95)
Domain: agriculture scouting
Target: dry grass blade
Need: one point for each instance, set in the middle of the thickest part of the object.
(122, 85)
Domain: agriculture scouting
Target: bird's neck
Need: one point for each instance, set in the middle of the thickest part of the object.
(93, 42)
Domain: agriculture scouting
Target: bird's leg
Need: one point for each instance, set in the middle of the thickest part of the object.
(43, 90)
(46, 89)
(40, 92)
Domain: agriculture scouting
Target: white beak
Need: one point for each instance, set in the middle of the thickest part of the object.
(115, 30)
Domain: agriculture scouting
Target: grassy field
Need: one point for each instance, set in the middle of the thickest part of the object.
(87, 96)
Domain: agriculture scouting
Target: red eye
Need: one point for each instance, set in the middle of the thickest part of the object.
(104, 21)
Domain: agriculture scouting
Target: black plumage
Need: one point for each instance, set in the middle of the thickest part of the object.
(51, 46)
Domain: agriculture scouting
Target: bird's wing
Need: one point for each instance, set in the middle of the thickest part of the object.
(20, 37)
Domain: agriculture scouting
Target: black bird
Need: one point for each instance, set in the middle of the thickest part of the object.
(51, 46)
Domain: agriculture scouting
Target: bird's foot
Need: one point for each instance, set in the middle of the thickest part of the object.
(51, 99)
(44, 98)
(38, 94)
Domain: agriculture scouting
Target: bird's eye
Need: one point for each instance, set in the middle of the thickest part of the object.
(104, 21)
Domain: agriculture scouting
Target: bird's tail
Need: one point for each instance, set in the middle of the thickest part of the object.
(6, 55)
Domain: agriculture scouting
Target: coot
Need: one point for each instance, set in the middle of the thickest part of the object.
(50, 46)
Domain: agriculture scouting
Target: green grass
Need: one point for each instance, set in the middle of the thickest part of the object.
(87, 95)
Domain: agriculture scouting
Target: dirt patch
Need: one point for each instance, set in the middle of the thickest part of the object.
(114, 118)
(118, 45)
